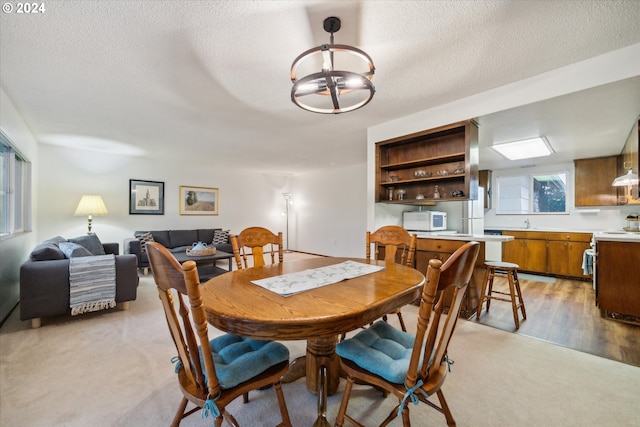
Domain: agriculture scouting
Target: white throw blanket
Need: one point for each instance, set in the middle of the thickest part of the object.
(92, 283)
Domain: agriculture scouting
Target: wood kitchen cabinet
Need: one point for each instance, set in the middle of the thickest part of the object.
(629, 160)
(484, 181)
(427, 249)
(618, 277)
(446, 157)
(564, 253)
(554, 253)
(593, 178)
(528, 249)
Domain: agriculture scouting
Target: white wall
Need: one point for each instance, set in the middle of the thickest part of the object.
(246, 199)
(329, 213)
(613, 66)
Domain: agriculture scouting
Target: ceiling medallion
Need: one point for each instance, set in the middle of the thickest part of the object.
(332, 90)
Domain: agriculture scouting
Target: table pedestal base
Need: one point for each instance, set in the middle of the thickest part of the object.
(321, 367)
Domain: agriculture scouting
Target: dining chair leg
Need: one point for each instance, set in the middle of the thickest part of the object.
(445, 408)
(345, 402)
(179, 412)
(401, 320)
(286, 421)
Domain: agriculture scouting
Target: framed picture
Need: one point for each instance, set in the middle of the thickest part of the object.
(198, 201)
(146, 197)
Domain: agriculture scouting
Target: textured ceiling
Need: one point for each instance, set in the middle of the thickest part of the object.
(161, 78)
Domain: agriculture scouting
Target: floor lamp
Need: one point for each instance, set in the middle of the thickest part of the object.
(287, 202)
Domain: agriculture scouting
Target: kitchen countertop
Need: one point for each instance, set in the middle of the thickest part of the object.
(465, 237)
(617, 236)
(542, 229)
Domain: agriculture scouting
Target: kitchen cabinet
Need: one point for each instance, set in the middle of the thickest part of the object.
(484, 181)
(554, 253)
(593, 178)
(629, 159)
(564, 253)
(427, 249)
(618, 277)
(415, 164)
(528, 249)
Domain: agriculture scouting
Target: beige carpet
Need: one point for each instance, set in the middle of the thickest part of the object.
(112, 369)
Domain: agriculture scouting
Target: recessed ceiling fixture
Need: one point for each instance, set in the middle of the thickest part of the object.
(524, 149)
(332, 90)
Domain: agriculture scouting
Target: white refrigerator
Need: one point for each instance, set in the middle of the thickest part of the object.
(465, 216)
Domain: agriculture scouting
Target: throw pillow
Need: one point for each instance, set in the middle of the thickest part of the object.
(220, 236)
(71, 250)
(91, 242)
(144, 238)
(46, 251)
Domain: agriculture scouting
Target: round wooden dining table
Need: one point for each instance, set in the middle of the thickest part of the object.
(236, 305)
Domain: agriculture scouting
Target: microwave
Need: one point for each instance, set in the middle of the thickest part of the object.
(424, 221)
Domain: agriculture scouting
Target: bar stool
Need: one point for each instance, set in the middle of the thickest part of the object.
(510, 271)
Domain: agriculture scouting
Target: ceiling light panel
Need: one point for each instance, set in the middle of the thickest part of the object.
(524, 149)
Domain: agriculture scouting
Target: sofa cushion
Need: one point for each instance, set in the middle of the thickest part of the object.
(162, 237)
(220, 236)
(183, 237)
(73, 250)
(91, 242)
(46, 251)
(144, 239)
(205, 235)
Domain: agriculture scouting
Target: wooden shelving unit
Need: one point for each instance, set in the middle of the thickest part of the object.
(446, 156)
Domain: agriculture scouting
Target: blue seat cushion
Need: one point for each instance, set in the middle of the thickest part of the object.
(380, 349)
(239, 359)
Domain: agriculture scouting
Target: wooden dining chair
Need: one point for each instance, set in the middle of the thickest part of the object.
(211, 373)
(398, 245)
(390, 359)
(253, 241)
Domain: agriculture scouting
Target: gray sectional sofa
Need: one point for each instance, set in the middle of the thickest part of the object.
(44, 277)
(176, 241)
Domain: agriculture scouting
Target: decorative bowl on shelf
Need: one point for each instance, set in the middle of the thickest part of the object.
(394, 178)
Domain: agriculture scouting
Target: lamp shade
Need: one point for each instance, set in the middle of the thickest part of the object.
(629, 178)
(91, 205)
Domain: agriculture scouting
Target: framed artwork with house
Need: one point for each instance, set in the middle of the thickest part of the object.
(146, 197)
(199, 200)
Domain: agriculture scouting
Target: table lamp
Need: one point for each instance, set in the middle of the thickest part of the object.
(91, 205)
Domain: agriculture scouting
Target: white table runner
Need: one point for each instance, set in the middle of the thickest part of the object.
(292, 283)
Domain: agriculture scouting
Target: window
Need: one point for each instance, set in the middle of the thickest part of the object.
(15, 190)
(543, 193)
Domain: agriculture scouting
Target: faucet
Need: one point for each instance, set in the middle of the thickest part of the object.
(527, 223)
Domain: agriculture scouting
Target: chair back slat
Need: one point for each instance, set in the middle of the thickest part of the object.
(393, 239)
(253, 240)
(437, 327)
(176, 284)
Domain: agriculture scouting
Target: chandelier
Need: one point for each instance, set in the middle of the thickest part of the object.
(332, 90)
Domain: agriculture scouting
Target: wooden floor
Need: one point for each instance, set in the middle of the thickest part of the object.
(564, 313)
